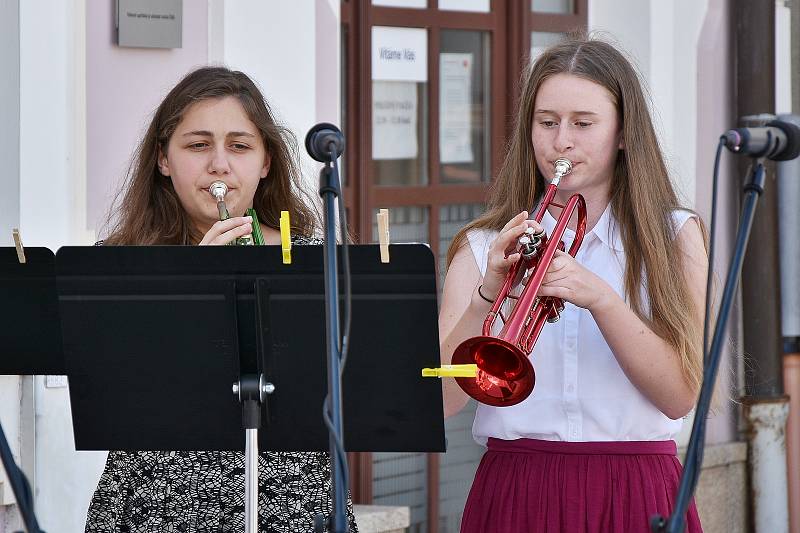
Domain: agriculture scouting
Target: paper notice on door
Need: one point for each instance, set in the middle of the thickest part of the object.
(399, 54)
(455, 108)
(394, 120)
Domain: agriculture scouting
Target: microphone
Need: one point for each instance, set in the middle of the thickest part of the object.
(778, 140)
(324, 142)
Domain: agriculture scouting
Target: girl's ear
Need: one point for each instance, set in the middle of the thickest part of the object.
(163, 164)
(265, 168)
(621, 144)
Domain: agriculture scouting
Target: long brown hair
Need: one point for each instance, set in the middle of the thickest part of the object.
(642, 196)
(150, 212)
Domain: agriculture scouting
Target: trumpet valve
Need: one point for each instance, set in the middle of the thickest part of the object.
(530, 242)
(555, 311)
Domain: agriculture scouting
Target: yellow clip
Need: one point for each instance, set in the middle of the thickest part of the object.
(18, 244)
(286, 238)
(451, 371)
(383, 234)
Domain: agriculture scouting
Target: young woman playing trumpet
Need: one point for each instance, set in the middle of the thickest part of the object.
(213, 127)
(591, 449)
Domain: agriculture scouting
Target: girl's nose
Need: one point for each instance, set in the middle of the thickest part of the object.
(219, 162)
(563, 141)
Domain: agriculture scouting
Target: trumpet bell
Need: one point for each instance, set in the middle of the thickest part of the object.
(505, 375)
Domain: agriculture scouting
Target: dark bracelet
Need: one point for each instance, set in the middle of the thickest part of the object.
(482, 296)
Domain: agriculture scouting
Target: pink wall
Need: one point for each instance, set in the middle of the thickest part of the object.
(123, 88)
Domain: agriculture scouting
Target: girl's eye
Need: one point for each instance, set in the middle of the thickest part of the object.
(198, 145)
(582, 124)
(239, 146)
(548, 123)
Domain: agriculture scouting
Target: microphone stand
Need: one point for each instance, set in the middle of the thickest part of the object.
(19, 486)
(330, 189)
(753, 189)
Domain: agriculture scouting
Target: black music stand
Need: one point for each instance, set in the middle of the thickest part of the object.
(30, 340)
(155, 336)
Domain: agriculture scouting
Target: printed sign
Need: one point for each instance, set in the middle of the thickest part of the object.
(455, 108)
(150, 23)
(394, 120)
(399, 54)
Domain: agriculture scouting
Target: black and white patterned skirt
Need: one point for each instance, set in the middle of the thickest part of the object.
(203, 492)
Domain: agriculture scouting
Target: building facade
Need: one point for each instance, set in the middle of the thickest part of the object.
(424, 141)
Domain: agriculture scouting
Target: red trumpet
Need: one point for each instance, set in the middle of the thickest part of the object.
(505, 375)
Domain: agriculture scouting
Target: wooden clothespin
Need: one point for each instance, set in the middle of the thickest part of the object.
(286, 238)
(383, 234)
(18, 244)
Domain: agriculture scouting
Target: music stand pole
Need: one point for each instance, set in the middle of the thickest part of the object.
(251, 390)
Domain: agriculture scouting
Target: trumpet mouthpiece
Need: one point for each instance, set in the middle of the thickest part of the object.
(562, 168)
(218, 190)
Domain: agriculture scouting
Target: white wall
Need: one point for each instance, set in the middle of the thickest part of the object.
(327, 61)
(662, 38)
(625, 23)
(52, 193)
(714, 105)
(291, 50)
(676, 91)
(273, 42)
(680, 48)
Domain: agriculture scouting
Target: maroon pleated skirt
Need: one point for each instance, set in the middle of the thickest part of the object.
(530, 485)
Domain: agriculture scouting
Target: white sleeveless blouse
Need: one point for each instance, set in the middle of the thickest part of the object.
(581, 393)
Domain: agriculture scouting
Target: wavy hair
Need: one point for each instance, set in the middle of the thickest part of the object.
(147, 209)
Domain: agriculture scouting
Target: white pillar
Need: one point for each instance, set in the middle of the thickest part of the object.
(52, 214)
(766, 433)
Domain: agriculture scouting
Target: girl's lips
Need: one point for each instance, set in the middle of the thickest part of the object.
(205, 190)
(551, 176)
